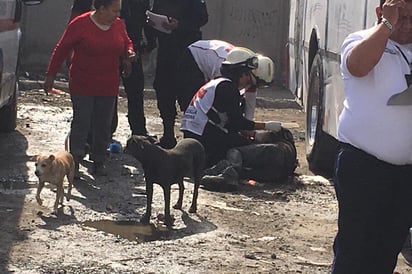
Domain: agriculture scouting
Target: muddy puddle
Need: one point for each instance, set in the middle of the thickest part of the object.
(130, 230)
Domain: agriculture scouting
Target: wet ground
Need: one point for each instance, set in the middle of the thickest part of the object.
(279, 227)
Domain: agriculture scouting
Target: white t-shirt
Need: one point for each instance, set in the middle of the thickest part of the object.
(209, 55)
(195, 117)
(367, 122)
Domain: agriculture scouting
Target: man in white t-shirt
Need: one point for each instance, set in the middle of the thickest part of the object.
(373, 168)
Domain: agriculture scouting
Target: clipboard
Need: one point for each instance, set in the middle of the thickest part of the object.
(157, 20)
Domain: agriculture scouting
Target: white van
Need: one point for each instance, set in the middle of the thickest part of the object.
(10, 38)
(317, 29)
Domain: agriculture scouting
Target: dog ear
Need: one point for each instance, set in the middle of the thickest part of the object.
(52, 157)
(34, 157)
(151, 139)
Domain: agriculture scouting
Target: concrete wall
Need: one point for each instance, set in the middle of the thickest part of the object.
(261, 25)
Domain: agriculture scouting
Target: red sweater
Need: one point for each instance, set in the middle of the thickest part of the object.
(96, 56)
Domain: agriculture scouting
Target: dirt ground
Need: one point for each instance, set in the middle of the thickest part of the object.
(267, 228)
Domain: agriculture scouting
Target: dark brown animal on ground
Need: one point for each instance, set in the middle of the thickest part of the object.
(166, 167)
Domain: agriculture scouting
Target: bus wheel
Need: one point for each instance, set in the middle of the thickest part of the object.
(321, 148)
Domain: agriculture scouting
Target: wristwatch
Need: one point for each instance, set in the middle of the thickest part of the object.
(387, 23)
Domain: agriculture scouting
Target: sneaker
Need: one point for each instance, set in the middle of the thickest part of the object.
(228, 180)
(99, 169)
(167, 142)
(218, 168)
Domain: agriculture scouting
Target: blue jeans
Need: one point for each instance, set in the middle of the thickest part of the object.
(375, 212)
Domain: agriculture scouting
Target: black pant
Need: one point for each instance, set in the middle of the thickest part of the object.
(165, 83)
(134, 87)
(189, 79)
(375, 204)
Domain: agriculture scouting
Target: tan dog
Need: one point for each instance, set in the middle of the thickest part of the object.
(52, 169)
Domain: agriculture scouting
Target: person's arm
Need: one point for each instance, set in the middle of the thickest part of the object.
(196, 18)
(227, 100)
(367, 53)
(193, 18)
(130, 53)
(62, 49)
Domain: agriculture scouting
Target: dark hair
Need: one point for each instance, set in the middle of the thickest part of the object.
(233, 72)
(383, 2)
(102, 3)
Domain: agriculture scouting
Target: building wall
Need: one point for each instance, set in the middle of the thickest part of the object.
(261, 25)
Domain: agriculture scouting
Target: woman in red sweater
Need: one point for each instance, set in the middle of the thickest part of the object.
(100, 43)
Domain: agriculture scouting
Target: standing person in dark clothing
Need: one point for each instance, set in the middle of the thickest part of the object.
(79, 7)
(134, 14)
(185, 19)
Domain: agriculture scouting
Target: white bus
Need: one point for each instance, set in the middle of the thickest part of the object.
(316, 31)
(10, 38)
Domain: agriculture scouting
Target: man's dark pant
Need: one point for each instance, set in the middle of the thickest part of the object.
(168, 53)
(165, 85)
(374, 212)
(189, 79)
(134, 87)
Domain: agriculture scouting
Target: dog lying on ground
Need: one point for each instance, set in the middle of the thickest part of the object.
(52, 169)
(166, 167)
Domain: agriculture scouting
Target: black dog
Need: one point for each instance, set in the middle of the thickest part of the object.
(166, 167)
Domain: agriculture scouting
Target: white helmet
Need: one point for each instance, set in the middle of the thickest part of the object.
(240, 57)
(265, 70)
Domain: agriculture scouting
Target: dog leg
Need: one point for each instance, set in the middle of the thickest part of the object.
(168, 219)
(61, 194)
(39, 188)
(70, 178)
(193, 207)
(149, 196)
(59, 198)
(179, 203)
